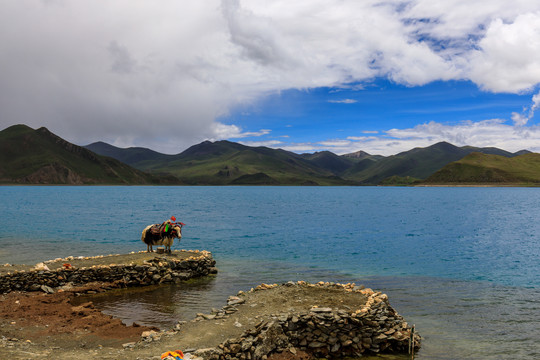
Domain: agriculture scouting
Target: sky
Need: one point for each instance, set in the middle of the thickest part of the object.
(304, 75)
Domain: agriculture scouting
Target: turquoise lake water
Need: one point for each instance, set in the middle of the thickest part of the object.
(462, 264)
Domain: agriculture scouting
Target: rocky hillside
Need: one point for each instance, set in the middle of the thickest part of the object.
(29, 156)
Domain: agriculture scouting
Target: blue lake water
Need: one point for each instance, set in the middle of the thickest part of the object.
(462, 264)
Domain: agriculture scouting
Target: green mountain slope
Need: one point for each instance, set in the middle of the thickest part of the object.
(489, 150)
(136, 157)
(31, 156)
(225, 162)
(418, 163)
(330, 161)
(478, 168)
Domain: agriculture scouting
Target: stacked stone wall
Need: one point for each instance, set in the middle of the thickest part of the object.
(155, 271)
(326, 332)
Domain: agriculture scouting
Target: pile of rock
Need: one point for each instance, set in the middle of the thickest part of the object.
(155, 271)
(375, 327)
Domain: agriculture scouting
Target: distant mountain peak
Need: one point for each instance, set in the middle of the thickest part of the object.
(357, 155)
(522, 152)
(443, 143)
(100, 143)
(43, 129)
(17, 127)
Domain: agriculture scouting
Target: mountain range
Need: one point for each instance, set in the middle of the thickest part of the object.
(31, 156)
(224, 162)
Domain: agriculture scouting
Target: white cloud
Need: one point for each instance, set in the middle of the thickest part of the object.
(223, 131)
(536, 102)
(487, 133)
(361, 138)
(519, 119)
(251, 134)
(161, 74)
(508, 56)
(267, 143)
(334, 143)
(528, 113)
(344, 101)
(301, 147)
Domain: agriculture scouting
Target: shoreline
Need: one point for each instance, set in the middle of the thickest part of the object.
(479, 185)
(54, 322)
(526, 185)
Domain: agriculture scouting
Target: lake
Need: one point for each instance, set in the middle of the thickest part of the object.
(462, 264)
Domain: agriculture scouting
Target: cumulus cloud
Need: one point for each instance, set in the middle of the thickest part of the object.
(507, 58)
(162, 74)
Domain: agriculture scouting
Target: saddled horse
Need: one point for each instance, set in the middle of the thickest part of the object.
(161, 234)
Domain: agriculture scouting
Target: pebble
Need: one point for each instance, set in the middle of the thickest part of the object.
(235, 300)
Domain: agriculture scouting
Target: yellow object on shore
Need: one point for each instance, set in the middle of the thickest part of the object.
(173, 355)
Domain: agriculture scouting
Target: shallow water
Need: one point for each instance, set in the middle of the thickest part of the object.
(457, 319)
(460, 263)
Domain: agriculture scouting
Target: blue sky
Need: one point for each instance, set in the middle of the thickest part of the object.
(303, 75)
(319, 119)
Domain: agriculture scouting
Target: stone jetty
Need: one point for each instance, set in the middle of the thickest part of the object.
(135, 269)
(324, 319)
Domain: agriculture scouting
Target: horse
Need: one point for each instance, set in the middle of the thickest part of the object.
(160, 234)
